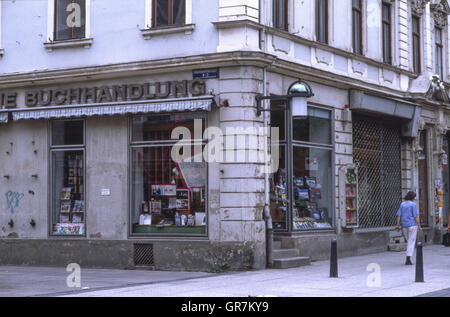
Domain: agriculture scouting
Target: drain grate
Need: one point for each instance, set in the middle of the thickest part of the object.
(143, 254)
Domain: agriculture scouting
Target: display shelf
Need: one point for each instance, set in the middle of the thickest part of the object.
(348, 180)
(169, 229)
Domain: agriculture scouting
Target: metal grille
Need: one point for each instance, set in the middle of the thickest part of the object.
(377, 153)
(143, 254)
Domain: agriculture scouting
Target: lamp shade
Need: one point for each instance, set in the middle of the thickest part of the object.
(299, 107)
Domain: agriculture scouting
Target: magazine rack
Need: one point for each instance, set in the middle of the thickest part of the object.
(348, 196)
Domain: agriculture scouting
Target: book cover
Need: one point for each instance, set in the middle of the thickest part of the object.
(65, 206)
(65, 193)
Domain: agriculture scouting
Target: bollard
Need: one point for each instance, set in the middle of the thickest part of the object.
(419, 263)
(333, 259)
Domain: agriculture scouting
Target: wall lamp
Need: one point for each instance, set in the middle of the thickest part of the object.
(296, 96)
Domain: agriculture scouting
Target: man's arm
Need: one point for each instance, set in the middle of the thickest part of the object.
(398, 223)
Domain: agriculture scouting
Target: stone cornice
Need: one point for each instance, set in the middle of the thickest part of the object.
(228, 59)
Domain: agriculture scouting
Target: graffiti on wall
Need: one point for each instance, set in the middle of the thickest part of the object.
(12, 200)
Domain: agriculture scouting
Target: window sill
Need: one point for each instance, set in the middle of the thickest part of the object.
(186, 29)
(86, 43)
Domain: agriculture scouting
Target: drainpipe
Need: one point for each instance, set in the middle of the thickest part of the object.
(267, 217)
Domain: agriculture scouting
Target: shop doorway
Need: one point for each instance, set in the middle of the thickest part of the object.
(377, 153)
(423, 179)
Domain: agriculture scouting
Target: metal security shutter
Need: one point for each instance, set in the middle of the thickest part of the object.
(377, 153)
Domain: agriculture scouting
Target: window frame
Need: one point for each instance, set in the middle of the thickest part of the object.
(65, 148)
(320, 25)
(150, 20)
(289, 143)
(416, 50)
(386, 42)
(52, 20)
(275, 15)
(359, 41)
(169, 16)
(439, 47)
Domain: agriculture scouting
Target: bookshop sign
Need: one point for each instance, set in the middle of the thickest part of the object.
(106, 94)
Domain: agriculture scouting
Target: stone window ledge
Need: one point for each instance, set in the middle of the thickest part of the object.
(186, 29)
(86, 43)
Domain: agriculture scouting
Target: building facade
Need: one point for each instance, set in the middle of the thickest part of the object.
(98, 100)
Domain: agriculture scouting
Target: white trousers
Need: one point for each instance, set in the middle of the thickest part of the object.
(410, 236)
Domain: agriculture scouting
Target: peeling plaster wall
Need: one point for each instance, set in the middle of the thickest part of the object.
(23, 153)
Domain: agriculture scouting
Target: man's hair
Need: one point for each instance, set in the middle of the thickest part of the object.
(410, 195)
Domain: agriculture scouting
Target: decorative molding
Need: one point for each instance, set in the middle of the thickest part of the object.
(186, 29)
(418, 6)
(440, 11)
(86, 43)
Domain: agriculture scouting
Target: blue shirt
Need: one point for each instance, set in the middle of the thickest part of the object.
(407, 212)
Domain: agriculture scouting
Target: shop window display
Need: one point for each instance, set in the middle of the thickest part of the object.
(302, 188)
(68, 198)
(312, 188)
(169, 197)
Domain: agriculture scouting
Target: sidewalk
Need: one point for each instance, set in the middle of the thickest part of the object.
(396, 279)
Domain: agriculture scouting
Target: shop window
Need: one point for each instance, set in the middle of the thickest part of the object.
(70, 19)
(168, 194)
(67, 178)
(280, 14)
(305, 172)
(168, 12)
(312, 188)
(315, 128)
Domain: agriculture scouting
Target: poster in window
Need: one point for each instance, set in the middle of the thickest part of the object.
(298, 181)
(156, 190)
(182, 199)
(168, 190)
(156, 207)
(310, 181)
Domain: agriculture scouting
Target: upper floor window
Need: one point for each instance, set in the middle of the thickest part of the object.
(416, 44)
(386, 26)
(168, 12)
(439, 51)
(357, 26)
(70, 19)
(280, 14)
(322, 21)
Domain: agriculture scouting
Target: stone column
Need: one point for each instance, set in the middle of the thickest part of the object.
(242, 180)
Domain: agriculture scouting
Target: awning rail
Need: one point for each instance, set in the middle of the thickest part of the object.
(110, 108)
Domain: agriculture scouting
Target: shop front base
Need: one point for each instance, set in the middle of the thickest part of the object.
(195, 255)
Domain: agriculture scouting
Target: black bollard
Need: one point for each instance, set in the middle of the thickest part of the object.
(419, 263)
(333, 259)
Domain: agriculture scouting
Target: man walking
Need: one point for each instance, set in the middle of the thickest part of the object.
(409, 217)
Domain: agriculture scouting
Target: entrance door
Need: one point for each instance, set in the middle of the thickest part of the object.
(423, 179)
(377, 153)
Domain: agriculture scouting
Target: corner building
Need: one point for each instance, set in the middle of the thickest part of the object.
(89, 110)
